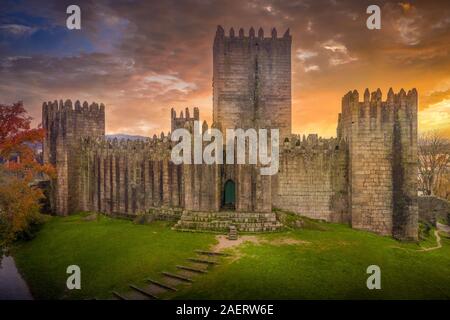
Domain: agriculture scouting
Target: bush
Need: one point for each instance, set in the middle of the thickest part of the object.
(424, 230)
(19, 210)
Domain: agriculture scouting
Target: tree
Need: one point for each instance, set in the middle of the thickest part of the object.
(434, 161)
(19, 198)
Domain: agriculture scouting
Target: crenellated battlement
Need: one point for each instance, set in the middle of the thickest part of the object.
(251, 43)
(220, 34)
(373, 105)
(182, 119)
(312, 143)
(186, 115)
(157, 145)
(371, 112)
(67, 106)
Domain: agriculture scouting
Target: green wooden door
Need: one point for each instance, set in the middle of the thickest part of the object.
(230, 196)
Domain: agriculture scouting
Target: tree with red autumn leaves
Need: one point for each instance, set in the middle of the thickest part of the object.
(19, 167)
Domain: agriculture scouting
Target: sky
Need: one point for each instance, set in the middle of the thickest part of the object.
(141, 58)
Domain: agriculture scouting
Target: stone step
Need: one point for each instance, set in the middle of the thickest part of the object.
(136, 295)
(223, 227)
(142, 291)
(176, 276)
(221, 216)
(162, 285)
(187, 273)
(155, 289)
(232, 233)
(227, 223)
(205, 261)
(192, 269)
(211, 253)
(198, 265)
(242, 218)
(238, 219)
(118, 296)
(174, 282)
(229, 220)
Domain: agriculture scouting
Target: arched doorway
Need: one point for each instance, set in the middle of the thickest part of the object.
(229, 195)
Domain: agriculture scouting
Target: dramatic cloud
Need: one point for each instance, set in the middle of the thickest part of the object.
(17, 30)
(140, 58)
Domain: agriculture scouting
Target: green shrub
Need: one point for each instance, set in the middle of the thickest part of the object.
(424, 230)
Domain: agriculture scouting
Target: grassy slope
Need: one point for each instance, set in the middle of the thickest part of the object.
(113, 253)
(331, 266)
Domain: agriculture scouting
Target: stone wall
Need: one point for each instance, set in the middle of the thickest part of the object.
(129, 177)
(312, 179)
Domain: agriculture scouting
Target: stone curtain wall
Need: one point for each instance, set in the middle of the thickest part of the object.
(252, 80)
(129, 177)
(65, 125)
(382, 138)
(312, 179)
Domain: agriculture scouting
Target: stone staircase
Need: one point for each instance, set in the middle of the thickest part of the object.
(232, 234)
(200, 264)
(221, 221)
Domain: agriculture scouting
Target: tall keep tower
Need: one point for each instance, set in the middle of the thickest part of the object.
(252, 80)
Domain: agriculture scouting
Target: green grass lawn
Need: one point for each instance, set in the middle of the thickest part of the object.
(320, 261)
(332, 265)
(110, 252)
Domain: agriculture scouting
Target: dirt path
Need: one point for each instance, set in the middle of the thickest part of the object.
(439, 227)
(224, 243)
(438, 241)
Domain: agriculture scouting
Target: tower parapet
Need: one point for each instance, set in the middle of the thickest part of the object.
(382, 139)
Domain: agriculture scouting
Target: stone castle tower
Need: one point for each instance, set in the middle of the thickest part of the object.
(65, 125)
(252, 80)
(383, 163)
(366, 176)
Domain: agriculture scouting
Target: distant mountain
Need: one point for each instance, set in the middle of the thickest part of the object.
(121, 136)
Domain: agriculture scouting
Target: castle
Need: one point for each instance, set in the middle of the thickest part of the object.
(366, 176)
